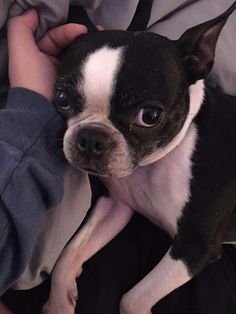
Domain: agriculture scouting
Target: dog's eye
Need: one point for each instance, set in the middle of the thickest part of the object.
(149, 116)
(61, 100)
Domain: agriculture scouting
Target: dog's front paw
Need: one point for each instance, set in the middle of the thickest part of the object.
(62, 301)
(131, 305)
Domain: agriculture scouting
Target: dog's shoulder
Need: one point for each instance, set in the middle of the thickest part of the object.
(218, 114)
(213, 184)
(215, 152)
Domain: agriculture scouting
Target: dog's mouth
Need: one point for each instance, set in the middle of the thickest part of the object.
(115, 161)
(105, 173)
(112, 166)
(95, 172)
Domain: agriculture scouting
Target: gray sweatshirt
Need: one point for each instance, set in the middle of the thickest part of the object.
(32, 183)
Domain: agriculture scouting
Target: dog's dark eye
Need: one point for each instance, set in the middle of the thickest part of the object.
(149, 116)
(62, 100)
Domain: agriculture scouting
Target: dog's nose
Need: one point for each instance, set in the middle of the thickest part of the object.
(93, 142)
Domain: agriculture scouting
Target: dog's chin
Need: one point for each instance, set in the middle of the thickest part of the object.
(94, 172)
(108, 168)
(115, 173)
(106, 173)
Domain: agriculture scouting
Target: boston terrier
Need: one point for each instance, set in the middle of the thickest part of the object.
(140, 118)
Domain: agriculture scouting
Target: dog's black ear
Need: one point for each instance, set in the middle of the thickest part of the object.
(198, 45)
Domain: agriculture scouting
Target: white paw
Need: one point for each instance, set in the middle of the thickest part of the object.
(61, 300)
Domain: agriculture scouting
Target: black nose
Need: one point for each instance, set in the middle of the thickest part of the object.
(93, 142)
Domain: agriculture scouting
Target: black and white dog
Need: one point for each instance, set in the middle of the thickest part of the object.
(140, 117)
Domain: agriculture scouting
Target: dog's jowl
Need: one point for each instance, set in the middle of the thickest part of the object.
(140, 117)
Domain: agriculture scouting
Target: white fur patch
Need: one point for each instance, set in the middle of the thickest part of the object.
(160, 190)
(167, 276)
(196, 92)
(99, 79)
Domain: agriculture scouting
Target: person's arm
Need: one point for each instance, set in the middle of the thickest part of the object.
(30, 166)
(30, 180)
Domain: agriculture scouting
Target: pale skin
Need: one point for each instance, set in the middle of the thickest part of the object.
(34, 65)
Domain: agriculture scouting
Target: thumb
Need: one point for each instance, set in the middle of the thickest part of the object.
(57, 39)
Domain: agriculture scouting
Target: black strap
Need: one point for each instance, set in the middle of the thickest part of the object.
(139, 22)
(141, 16)
(78, 14)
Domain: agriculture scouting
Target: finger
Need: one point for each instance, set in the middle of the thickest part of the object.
(59, 38)
(100, 27)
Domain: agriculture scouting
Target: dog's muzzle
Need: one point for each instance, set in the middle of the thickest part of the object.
(98, 148)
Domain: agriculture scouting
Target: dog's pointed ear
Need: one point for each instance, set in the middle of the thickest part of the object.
(198, 45)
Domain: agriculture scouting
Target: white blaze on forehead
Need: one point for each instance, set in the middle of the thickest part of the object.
(99, 74)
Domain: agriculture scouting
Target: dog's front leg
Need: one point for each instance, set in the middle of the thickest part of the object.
(185, 259)
(168, 275)
(108, 218)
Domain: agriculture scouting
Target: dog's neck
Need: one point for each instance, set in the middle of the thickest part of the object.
(196, 93)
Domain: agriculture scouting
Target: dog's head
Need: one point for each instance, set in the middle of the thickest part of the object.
(129, 98)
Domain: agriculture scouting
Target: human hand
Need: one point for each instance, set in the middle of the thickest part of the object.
(34, 65)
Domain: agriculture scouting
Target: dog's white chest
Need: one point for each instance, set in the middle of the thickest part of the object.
(160, 190)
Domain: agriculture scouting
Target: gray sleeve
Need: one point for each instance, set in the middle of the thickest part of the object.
(31, 178)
